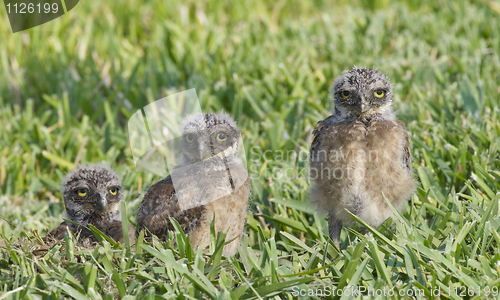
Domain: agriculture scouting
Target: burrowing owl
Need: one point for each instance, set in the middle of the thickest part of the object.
(92, 195)
(209, 170)
(360, 153)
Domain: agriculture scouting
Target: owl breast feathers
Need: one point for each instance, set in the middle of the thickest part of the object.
(354, 165)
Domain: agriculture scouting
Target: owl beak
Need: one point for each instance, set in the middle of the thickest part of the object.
(102, 203)
(204, 149)
(364, 105)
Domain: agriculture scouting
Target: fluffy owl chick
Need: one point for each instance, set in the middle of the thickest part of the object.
(92, 195)
(210, 181)
(360, 153)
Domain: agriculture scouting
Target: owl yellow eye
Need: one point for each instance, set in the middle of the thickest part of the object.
(113, 191)
(221, 137)
(379, 93)
(189, 138)
(345, 94)
(82, 192)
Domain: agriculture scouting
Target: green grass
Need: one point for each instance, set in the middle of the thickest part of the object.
(68, 87)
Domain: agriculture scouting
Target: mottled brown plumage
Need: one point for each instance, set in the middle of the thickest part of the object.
(92, 195)
(160, 204)
(211, 180)
(360, 154)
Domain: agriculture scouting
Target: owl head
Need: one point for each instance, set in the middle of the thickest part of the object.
(91, 191)
(213, 136)
(362, 93)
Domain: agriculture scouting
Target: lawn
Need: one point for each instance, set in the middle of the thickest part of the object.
(68, 88)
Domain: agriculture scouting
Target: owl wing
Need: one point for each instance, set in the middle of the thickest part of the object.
(113, 229)
(79, 231)
(321, 132)
(58, 232)
(161, 203)
(317, 133)
(406, 146)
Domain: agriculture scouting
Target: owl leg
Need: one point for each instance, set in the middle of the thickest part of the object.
(334, 229)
